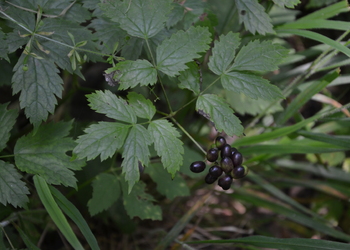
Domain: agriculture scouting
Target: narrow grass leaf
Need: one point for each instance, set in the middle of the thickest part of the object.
(317, 24)
(72, 212)
(29, 244)
(55, 212)
(327, 12)
(338, 140)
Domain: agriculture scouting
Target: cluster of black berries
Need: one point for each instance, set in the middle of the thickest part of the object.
(230, 163)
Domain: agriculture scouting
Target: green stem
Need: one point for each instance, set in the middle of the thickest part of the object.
(188, 135)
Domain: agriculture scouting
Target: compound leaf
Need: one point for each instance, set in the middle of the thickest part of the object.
(135, 150)
(12, 189)
(112, 106)
(167, 144)
(287, 3)
(39, 85)
(103, 139)
(223, 52)
(131, 73)
(7, 120)
(253, 15)
(166, 185)
(219, 112)
(106, 191)
(259, 56)
(142, 107)
(189, 78)
(44, 153)
(183, 46)
(139, 203)
(140, 18)
(251, 85)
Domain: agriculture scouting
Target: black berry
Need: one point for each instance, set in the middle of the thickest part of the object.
(226, 151)
(226, 164)
(225, 182)
(215, 171)
(220, 142)
(239, 172)
(212, 154)
(209, 179)
(237, 159)
(197, 166)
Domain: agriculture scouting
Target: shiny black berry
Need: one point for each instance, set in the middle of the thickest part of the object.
(209, 179)
(226, 151)
(212, 154)
(226, 164)
(237, 159)
(215, 171)
(225, 182)
(239, 172)
(220, 142)
(197, 166)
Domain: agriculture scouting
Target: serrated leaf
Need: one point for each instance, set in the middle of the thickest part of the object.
(103, 139)
(106, 191)
(140, 18)
(74, 12)
(253, 15)
(220, 114)
(176, 15)
(259, 56)
(142, 107)
(138, 203)
(44, 154)
(224, 52)
(133, 48)
(167, 144)
(132, 73)
(181, 48)
(287, 3)
(7, 120)
(39, 86)
(112, 106)
(135, 150)
(251, 85)
(189, 79)
(12, 189)
(166, 185)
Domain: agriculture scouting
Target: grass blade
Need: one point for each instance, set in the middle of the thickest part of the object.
(55, 212)
(70, 210)
(317, 24)
(341, 141)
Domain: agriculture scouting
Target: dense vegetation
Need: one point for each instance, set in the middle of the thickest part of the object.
(132, 124)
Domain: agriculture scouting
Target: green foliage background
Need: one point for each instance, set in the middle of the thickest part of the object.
(175, 74)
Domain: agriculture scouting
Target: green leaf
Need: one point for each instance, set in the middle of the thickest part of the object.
(166, 185)
(72, 212)
(306, 95)
(142, 107)
(167, 144)
(189, 78)
(140, 18)
(329, 11)
(44, 154)
(139, 203)
(251, 85)
(317, 24)
(259, 56)
(106, 191)
(253, 15)
(181, 48)
(3, 46)
(220, 114)
(112, 106)
(55, 212)
(176, 15)
(338, 140)
(39, 86)
(131, 73)
(286, 3)
(135, 150)
(12, 189)
(103, 139)
(224, 52)
(276, 243)
(132, 48)
(7, 120)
